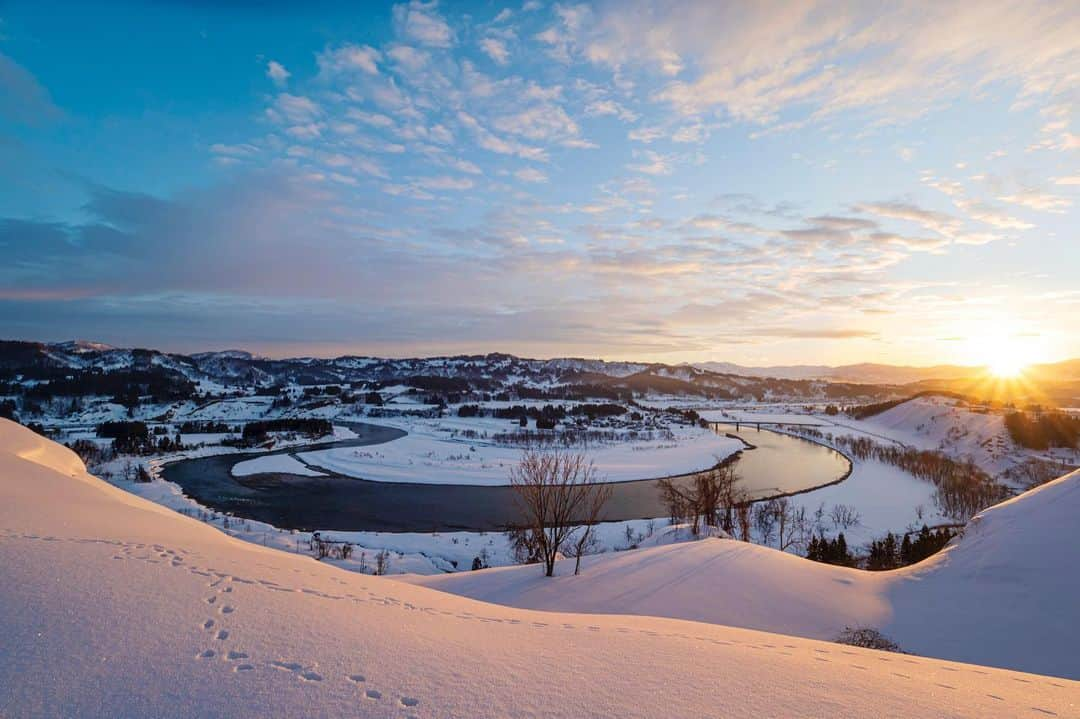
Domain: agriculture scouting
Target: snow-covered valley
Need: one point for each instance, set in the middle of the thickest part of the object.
(162, 615)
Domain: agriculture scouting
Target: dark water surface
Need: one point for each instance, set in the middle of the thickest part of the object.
(779, 464)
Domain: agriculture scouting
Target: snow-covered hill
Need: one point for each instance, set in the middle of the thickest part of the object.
(954, 427)
(1004, 595)
(113, 606)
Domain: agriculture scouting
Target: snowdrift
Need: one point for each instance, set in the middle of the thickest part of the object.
(113, 606)
(1006, 594)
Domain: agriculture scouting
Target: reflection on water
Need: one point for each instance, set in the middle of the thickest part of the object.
(783, 464)
(779, 465)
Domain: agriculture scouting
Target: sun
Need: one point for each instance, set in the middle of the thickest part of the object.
(1004, 354)
(1006, 367)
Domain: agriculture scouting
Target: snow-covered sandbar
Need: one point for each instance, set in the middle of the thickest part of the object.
(273, 463)
(436, 452)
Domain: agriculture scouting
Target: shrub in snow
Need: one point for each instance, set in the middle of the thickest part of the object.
(868, 638)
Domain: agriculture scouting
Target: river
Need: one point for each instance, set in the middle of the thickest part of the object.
(779, 464)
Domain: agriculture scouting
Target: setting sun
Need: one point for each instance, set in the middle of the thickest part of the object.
(1005, 351)
(1006, 367)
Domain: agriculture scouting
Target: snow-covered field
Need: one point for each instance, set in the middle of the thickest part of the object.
(114, 606)
(437, 451)
(886, 498)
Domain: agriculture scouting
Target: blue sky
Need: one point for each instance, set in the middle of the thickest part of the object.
(789, 183)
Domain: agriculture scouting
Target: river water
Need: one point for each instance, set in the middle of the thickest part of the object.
(779, 464)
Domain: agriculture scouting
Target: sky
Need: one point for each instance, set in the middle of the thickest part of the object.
(765, 183)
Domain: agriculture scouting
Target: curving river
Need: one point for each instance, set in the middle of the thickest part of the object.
(777, 465)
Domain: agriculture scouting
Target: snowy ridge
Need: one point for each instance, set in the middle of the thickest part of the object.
(112, 606)
(1004, 594)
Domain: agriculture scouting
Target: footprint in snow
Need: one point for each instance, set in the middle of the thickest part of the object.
(287, 666)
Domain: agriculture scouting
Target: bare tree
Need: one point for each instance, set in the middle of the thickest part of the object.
(712, 498)
(585, 542)
(765, 522)
(844, 516)
(791, 524)
(559, 497)
(382, 562)
(743, 513)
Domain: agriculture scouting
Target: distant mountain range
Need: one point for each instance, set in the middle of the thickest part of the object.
(1058, 383)
(865, 372)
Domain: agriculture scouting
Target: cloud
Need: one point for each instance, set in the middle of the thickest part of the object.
(810, 333)
(530, 174)
(277, 73)
(814, 60)
(1036, 200)
(421, 22)
(542, 121)
(599, 108)
(939, 222)
(444, 182)
(646, 134)
(229, 154)
(22, 98)
(294, 108)
(490, 141)
(495, 49)
(349, 58)
(653, 164)
(695, 133)
(369, 118)
(409, 58)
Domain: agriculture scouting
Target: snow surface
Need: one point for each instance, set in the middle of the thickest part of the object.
(436, 452)
(273, 463)
(114, 606)
(1003, 595)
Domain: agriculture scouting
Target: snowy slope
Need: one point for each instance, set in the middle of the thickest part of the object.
(113, 606)
(1004, 595)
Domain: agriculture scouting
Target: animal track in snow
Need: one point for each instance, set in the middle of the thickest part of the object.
(373, 694)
